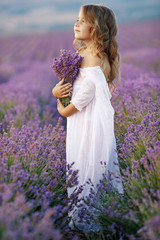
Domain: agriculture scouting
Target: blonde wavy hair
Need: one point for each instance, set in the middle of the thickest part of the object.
(103, 32)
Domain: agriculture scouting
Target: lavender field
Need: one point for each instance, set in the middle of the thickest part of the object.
(33, 196)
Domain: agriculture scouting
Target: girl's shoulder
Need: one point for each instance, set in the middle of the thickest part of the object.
(90, 60)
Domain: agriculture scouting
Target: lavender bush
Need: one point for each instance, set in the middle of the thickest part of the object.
(33, 195)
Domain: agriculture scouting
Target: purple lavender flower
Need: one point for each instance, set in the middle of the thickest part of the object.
(67, 67)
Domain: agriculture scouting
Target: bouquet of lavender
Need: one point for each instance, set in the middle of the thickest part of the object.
(67, 67)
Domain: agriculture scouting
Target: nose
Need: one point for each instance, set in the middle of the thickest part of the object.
(76, 24)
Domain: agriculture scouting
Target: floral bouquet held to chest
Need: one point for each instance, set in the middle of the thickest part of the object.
(67, 67)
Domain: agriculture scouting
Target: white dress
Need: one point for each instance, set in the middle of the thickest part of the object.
(90, 131)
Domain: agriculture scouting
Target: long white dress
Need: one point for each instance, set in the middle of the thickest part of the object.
(90, 131)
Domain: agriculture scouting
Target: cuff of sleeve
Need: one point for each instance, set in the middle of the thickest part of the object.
(74, 103)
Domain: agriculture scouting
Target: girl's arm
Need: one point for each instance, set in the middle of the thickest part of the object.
(66, 111)
(62, 90)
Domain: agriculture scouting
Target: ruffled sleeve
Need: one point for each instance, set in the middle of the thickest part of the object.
(84, 95)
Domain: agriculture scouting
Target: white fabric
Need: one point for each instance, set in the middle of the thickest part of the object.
(90, 131)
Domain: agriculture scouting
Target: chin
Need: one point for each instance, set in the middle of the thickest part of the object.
(76, 34)
(76, 37)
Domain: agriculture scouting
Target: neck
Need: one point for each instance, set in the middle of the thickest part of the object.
(88, 44)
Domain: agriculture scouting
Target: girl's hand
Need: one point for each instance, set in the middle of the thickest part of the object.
(62, 90)
(60, 107)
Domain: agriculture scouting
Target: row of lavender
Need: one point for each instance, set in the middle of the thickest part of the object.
(33, 195)
(33, 198)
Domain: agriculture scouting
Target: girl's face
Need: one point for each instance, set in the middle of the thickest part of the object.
(81, 28)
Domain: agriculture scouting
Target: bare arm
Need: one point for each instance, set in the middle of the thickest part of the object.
(66, 111)
(62, 90)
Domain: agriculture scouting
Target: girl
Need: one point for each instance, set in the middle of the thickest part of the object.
(90, 115)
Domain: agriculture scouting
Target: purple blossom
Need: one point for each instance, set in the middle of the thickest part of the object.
(67, 67)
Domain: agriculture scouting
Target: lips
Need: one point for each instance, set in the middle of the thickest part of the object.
(76, 30)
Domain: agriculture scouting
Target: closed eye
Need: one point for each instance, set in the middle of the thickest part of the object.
(81, 20)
